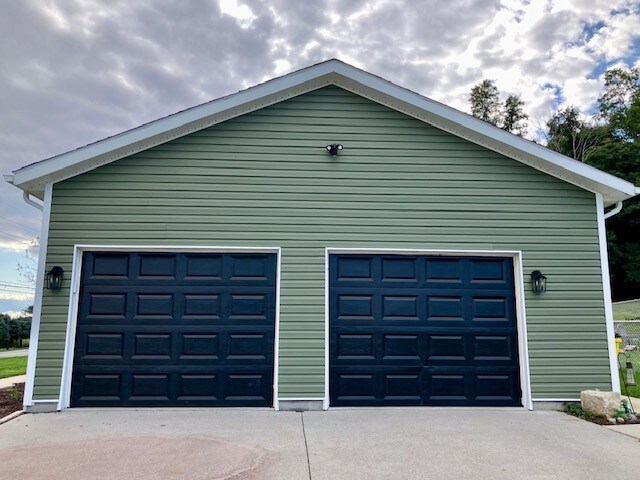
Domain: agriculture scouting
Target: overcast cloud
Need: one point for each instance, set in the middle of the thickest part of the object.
(76, 71)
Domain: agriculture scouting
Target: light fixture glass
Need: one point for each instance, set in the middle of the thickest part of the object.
(54, 278)
(538, 282)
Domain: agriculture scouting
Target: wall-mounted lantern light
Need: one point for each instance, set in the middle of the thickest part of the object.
(334, 148)
(54, 278)
(538, 282)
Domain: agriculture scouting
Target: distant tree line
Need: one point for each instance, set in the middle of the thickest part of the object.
(14, 331)
(608, 140)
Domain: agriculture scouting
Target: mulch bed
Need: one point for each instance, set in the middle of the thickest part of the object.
(11, 399)
(601, 420)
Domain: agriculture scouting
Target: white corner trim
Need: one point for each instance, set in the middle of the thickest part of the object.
(606, 289)
(37, 303)
(276, 339)
(325, 403)
(523, 341)
(521, 319)
(64, 399)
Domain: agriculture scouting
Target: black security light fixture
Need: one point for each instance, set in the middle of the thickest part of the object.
(334, 148)
(538, 282)
(54, 278)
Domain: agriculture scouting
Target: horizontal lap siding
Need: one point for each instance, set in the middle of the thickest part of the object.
(265, 179)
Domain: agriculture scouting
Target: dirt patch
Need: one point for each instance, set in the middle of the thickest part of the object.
(11, 399)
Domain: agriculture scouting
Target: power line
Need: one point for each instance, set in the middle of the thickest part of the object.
(18, 292)
(17, 284)
(4, 288)
(11, 236)
(20, 224)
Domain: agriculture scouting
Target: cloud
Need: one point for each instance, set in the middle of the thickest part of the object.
(15, 296)
(15, 313)
(76, 71)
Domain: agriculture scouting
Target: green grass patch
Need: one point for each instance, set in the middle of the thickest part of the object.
(631, 391)
(12, 366)
(626, 310)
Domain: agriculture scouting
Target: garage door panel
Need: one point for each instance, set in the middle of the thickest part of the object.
(190, 306)
(147, 389)
(443, 326)
(152, 269)
(221, 346)
(150, 337)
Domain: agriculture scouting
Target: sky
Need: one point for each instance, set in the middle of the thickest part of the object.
(76, 71)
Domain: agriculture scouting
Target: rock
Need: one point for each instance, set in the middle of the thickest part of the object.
(612, 421)
(620, 420)
(600, 403)
(633, 418)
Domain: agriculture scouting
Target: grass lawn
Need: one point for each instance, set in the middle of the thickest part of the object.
(12, 366)
(626, 310)
(633, 391)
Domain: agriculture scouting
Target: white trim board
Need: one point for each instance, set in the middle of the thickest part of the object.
(32, 178)
(74, 299)
(606, 289)
(521, 320)
(37, 301)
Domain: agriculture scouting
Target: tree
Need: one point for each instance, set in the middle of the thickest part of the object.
(486, 105)
(485, 102)
(514, 117)
(611, 144)
(620, 103)
(28, 268)
(571, 135)
(5, 340)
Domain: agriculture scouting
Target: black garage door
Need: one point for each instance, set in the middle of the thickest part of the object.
(175, 329)
(422, 330)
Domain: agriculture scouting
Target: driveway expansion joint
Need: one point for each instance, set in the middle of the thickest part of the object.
(306, 446)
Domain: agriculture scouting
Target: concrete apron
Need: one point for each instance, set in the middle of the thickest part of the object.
(365, 443)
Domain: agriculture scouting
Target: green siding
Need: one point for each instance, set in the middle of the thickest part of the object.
(265, 179)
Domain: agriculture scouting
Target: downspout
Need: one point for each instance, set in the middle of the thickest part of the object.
(614, 211)
(25, 197)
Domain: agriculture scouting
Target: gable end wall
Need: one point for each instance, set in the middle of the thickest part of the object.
(265, 179)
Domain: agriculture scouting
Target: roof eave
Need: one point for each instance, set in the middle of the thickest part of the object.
(32, 178)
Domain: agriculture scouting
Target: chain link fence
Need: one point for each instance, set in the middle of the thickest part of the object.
(629, 332)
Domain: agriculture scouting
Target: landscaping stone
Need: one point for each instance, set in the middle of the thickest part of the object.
(613, 421)
(620, 420)
(600, 403)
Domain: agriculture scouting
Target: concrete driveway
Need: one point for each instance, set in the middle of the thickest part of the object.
(389, 443)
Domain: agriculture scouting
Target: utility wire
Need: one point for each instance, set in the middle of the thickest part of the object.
(23, 225)
(14, 284)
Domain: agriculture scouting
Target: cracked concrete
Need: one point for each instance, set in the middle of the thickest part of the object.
(366, 443)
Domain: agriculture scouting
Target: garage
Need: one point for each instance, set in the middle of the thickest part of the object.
(422, 330)
(175, 329)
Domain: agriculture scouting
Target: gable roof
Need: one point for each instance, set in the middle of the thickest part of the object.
(32, 178)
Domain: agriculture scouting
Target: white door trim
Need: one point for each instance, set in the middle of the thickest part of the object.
(74, 298)
(37, 300)
(521, 320)
(606, 289)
